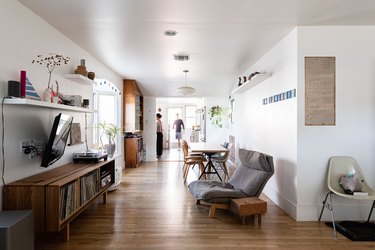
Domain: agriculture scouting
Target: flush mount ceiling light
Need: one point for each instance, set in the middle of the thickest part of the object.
(170, 32)
(186, 90)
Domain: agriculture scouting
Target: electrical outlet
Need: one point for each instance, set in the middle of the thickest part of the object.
(23, 144)
(36, 146)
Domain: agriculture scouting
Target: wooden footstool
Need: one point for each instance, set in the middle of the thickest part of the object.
(244, 207)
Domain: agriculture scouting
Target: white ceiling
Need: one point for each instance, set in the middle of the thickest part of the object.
(223, 37)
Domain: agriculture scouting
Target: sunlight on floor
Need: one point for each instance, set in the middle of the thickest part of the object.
(172, 154)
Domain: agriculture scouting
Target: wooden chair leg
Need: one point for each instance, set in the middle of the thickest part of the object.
(201, 169)
(186, 172)
(226, 176)
(211, 214)
(183, 171)
(213, 207)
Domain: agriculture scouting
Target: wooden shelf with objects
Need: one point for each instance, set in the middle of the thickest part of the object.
(42, 104)
(132, 107)
(255, 80)
(59, 195)
(132, 122)
(79, 78)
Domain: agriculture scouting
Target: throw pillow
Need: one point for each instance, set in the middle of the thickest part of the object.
(351, 184)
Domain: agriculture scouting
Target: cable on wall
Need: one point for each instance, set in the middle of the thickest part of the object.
(2, 138)
(87, 147)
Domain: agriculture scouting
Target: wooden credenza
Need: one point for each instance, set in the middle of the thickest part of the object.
(59, 195)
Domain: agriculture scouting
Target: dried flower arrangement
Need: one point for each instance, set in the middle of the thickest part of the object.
(51, 61)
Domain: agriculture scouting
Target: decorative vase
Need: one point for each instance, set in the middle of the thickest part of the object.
(81, 70)
(91, 75)
(55, 99)
(47, 95)
(110, 148)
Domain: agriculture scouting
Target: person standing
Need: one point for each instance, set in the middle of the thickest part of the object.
(159, 136)
(179, 125)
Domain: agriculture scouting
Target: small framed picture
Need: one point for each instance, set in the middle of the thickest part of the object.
(75, 134)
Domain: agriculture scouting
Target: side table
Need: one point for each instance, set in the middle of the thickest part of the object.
(244, 207)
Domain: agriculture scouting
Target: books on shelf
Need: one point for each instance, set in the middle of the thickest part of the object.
(89, 186)
(360, 193)
(68, 201)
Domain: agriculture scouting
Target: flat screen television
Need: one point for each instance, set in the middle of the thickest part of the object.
(57, 140)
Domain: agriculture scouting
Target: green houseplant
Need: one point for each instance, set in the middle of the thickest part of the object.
(216, 116)
(111, 130)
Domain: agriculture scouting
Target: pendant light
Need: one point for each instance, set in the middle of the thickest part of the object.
(186, 90)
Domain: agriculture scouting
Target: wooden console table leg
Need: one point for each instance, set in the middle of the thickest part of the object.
(243, 218)
(105, 197)
(259, 219)
(66, 232)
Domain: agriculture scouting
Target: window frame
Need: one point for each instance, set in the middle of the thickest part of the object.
(96, 114)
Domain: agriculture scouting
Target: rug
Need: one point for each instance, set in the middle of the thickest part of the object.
(356, 231)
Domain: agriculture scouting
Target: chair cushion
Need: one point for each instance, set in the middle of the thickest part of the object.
(214, 191)
(255, 160)
(248, 180)
(253, 173)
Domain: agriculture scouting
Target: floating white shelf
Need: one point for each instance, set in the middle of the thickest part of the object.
(255, 80)
(41, 104)
(79, 78)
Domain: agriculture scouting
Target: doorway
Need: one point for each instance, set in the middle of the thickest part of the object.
(172, 114)
(189, 110)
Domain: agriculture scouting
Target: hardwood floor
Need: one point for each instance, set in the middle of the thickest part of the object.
(153, 209)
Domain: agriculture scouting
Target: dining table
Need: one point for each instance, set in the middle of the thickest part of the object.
(208, 149)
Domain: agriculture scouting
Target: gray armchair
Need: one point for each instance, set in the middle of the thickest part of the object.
(248, 180)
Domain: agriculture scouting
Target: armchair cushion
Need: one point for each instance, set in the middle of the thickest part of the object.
(248, 180)
(214, 191)
(253, 173)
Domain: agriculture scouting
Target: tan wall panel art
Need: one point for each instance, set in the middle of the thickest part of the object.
(320, 88)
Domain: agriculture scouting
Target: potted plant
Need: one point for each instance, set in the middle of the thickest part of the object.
(111, 130)
(216, 116)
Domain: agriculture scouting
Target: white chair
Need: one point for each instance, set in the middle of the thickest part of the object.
(338, 167)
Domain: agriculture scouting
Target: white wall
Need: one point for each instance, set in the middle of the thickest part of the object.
(149, 132)
(272, 128)
(354, 133)
(301, 153)
(24, 36)
(215, 134)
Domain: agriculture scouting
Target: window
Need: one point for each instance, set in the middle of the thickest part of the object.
(106, 109)
(190, 116)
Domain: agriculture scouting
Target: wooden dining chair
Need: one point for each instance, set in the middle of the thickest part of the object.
(190, 160)
(220, 161)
